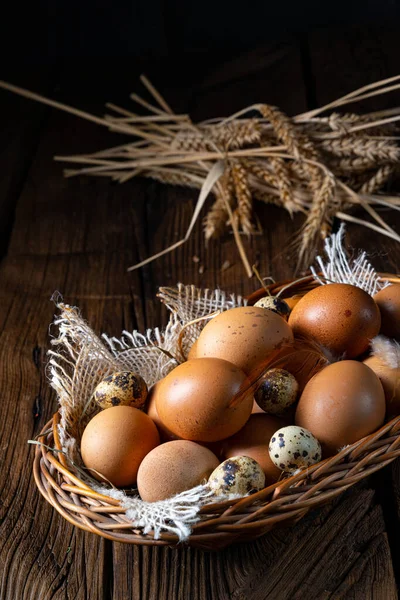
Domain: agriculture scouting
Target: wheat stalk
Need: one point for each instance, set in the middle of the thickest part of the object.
(217, 217)
(257, 169)
(345, 166)
(362, 146)
(376, 182)
(318, 221)
(244, 198)
(174, 177)
(319, 165)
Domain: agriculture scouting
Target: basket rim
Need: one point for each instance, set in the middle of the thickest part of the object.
(220, 523)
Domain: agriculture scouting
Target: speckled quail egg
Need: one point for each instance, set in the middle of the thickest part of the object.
(240, 475)
(294, 447)
(122, 388)
(277, 390)
(275, 304)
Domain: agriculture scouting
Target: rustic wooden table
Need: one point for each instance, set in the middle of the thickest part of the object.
(78, 236)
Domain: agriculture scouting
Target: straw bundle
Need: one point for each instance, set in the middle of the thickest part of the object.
(321, 166)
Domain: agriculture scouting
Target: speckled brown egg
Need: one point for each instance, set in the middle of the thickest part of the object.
(253, 440)
(205, 399)
(151, 409)
(341, 404)
(341, 317)
(244, 336)
(276, 391)
(390, 379)
(239, 475)
(388, 301)
(274, 303)
(193, 351)
(173, 468)
(115, 442)
(293, 448)
(123, 388)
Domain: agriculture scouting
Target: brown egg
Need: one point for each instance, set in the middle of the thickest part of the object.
(388, 301)
(341, 317)
(292, 301)
(341, 404)
(244, 336)
(116, 441)
(173, 468)
(253, 440)
(205, 399)
(165, 434)
(193, 351)
(390, 380)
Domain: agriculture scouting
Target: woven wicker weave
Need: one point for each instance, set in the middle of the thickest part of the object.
(221, 524)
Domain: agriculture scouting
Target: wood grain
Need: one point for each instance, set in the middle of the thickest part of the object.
(78, 236)
(20, 127)
(369, 54)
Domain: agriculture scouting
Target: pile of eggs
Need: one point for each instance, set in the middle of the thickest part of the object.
(266, 390)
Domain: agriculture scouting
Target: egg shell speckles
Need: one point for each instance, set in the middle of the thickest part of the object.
(173, 468)
(340, 317)
(277, 305)
(341, 404)
(240, 475)
(151, 409)
(388, 301)
(253, 440)
(294, 447)
(204, 399)
(277, 391)
(193, 351)
(115, 442)
(122, 388)
(244, 336)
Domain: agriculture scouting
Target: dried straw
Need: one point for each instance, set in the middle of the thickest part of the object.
(244, 198)
(322, 166)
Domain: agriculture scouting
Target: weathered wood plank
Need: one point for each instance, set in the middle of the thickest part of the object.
(78, 236)
(53, 246)
(41, 555)
(20, 127)
(366, 54)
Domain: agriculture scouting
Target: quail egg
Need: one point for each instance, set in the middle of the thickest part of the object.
(277, 390)
(240, 475)
(293, 447)
(123, 388)
(275, 304)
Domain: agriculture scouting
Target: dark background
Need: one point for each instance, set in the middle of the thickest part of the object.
(79, 235)
(50, 31)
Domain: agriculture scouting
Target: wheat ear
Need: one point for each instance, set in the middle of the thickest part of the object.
(318, 220)
(217, 217)
(243, 196)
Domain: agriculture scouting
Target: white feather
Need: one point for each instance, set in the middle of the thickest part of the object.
(387, 350)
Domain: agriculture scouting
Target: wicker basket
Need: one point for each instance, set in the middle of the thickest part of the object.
(221, 524)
